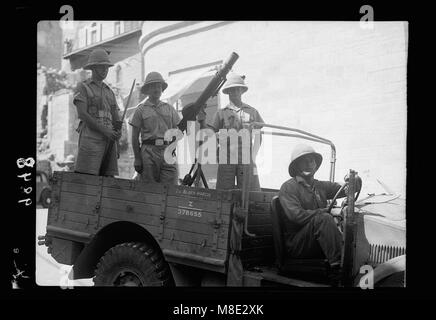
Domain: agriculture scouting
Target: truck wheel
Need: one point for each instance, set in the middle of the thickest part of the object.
(133, 264)
(45, 198)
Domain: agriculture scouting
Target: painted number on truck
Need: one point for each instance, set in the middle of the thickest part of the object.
(188, 212)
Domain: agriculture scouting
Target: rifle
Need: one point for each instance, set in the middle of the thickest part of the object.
(117, 127)
(191, 110)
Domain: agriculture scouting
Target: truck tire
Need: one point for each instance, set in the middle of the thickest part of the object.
(133, 264)
(45, 198)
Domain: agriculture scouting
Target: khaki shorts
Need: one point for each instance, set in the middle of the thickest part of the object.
(90, 156)
(155, 168)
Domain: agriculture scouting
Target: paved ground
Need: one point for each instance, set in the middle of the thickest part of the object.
(48, 271)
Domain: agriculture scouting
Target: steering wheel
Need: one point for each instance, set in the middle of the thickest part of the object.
(329, 210)
(337, 195)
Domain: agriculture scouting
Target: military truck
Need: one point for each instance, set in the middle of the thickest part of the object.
(123, 232)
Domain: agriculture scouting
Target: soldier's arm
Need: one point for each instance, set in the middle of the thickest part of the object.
(135, 142)
(258, 138)
(216, 123)
(292, 208)
(81, 103)
(331, 189)
(116, 113)
(136, 123)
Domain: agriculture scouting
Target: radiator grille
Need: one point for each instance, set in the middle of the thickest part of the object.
(380, 254)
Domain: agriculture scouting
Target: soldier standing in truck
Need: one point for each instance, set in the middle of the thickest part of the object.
(98, 110)
(236, 115)
(150, 121)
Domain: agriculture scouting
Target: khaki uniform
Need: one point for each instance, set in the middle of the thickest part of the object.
(154, 121)
(102, 106)
(232, 117)
(309, 232)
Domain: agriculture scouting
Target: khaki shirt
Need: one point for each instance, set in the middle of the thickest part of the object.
(154, 120)
(301, 202)
(232, 117)
(101, 105)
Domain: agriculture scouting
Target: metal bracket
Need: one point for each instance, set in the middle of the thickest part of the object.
(56, 180)
(217, 222)
(162, 211)
(97, 208)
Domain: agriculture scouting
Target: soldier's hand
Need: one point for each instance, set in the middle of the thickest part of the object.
(117, 135)
(109, 133)
(189, 112)
(357, 183)
(336, 211)
(138, 165)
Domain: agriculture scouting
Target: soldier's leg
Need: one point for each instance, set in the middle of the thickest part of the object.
(89, 155)
(226, 176)
(319, 238)
(150, 164)
(168, 172)
(112, 167)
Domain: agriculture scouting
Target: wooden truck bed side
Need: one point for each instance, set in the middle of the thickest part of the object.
(258, 250)
(188, 223)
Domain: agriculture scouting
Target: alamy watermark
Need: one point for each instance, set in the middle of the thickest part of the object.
(367, 280)
(66, 20)
(367, 20)
(208, 147)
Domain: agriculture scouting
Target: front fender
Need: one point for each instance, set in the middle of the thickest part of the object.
(383, 270)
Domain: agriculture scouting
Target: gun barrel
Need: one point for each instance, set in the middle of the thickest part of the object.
(218, 80)
(190, 111)
(228, 64)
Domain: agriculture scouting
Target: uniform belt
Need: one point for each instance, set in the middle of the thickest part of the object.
(156, 142)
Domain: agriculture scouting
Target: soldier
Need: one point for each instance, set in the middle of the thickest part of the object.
(310, 230)
(98, 110)
(236, 115)
(150, 121)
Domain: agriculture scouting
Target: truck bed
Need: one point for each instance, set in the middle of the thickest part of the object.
(191, 225)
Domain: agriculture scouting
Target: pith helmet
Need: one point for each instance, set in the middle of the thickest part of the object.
(153, 77)
(299, 151)
(98, 57)
(234, 80)
(69, 159)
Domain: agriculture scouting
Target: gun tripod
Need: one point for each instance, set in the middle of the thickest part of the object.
(188, 180)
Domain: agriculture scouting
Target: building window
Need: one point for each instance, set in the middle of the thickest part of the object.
(93, 36)
(131, 25)
(117, 28)
(127, 26)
